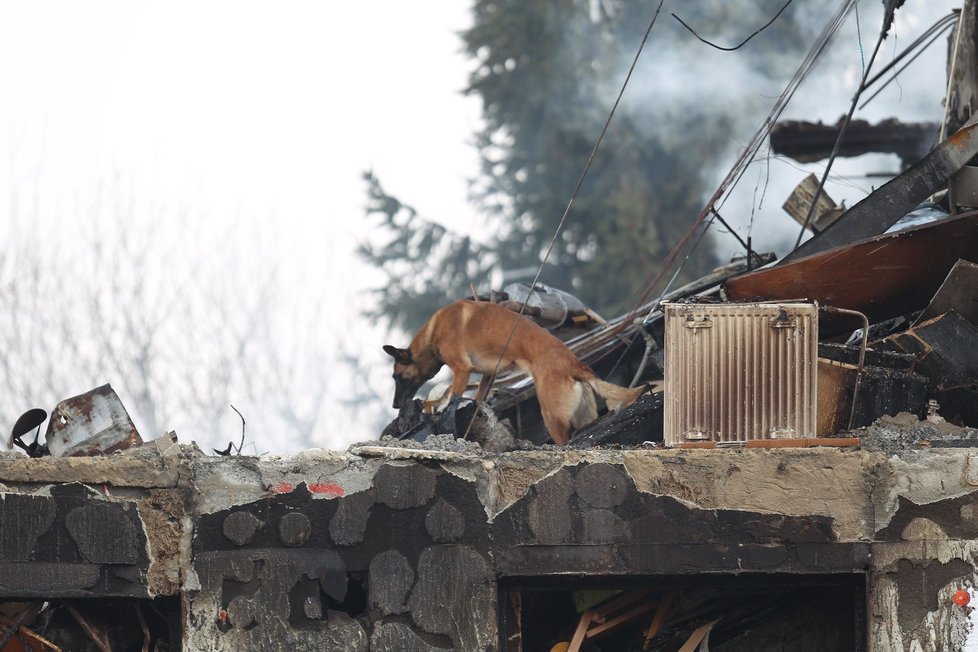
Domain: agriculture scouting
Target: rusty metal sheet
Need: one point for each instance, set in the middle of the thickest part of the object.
(740, 372)
(882, 208)
(93, 423)
(884, 277)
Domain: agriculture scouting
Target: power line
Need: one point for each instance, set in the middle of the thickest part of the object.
(815, 53)
(742, 43)
(842, 133)
(577, 189)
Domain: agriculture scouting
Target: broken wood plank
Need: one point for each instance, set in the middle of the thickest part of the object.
(807, 142)
(579, 633)
(800, 200)
(617, 622)
(26, 632)
(962, 97)
(697, 637)
(607, 608)
(97, 637)
(659, 618)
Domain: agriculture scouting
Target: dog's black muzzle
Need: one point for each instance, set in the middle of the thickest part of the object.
(404, 391)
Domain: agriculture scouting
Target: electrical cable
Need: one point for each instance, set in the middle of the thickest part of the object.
(904, 67)
(570, 202)
(814, 54)
(941, 24)
(742, 43)
(839, 138)
(736, 172)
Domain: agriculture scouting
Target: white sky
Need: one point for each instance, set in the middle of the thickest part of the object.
(249, 111)
(279, 105)
(258, 111)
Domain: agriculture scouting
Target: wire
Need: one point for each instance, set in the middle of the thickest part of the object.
(940, 25)
(904, 66)
(570, 202)
(734, 175)
(839, 138)
(739, 168)
(755, 204)
(750, 150)
(742, 43)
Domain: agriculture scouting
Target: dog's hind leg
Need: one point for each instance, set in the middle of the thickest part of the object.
(587, 408)
(560, 400)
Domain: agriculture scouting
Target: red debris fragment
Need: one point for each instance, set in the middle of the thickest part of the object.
(282, 488)
(326, 488)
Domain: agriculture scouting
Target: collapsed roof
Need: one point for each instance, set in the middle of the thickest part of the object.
(904, 261)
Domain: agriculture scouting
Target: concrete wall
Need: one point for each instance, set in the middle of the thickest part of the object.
(271, 553)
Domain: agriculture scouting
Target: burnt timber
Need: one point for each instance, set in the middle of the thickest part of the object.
(807, 142)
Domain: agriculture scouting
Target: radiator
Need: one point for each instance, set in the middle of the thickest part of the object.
(736, 372)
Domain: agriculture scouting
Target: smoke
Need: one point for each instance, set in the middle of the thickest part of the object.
(689, 96)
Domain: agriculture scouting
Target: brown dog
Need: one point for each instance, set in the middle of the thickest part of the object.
(470, 336)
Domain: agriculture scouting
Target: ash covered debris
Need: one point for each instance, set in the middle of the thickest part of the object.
(93, 423)
(905, 431)
(891, 282)
(919, 347)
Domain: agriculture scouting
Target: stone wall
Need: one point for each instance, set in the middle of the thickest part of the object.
(384, 548)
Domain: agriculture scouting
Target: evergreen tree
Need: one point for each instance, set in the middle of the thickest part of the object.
(426, 265)
(548, 72)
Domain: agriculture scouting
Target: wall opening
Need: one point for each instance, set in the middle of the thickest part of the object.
(83, 625)
(738, 613)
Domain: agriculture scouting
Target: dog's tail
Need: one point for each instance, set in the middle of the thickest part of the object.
(615, 396)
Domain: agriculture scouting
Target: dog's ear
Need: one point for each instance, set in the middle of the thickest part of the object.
(400, 355)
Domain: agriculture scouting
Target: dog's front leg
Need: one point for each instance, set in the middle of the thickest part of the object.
(460, 379)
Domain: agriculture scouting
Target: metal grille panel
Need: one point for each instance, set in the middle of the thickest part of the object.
(736, 372)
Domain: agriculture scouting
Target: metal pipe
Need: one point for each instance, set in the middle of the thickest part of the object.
(641, 367)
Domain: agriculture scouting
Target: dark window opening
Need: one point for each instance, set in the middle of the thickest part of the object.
(121, 625)
(355, 601)
(310, 603)
(738, 613)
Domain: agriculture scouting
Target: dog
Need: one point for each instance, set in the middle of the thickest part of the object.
(472, 336)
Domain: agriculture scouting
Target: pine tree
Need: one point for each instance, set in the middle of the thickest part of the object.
(548, 72)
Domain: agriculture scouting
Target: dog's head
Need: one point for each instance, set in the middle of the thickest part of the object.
(408, 375)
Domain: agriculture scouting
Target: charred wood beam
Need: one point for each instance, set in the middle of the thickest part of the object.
(808, 142)
(962, 96)
(881, 209)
